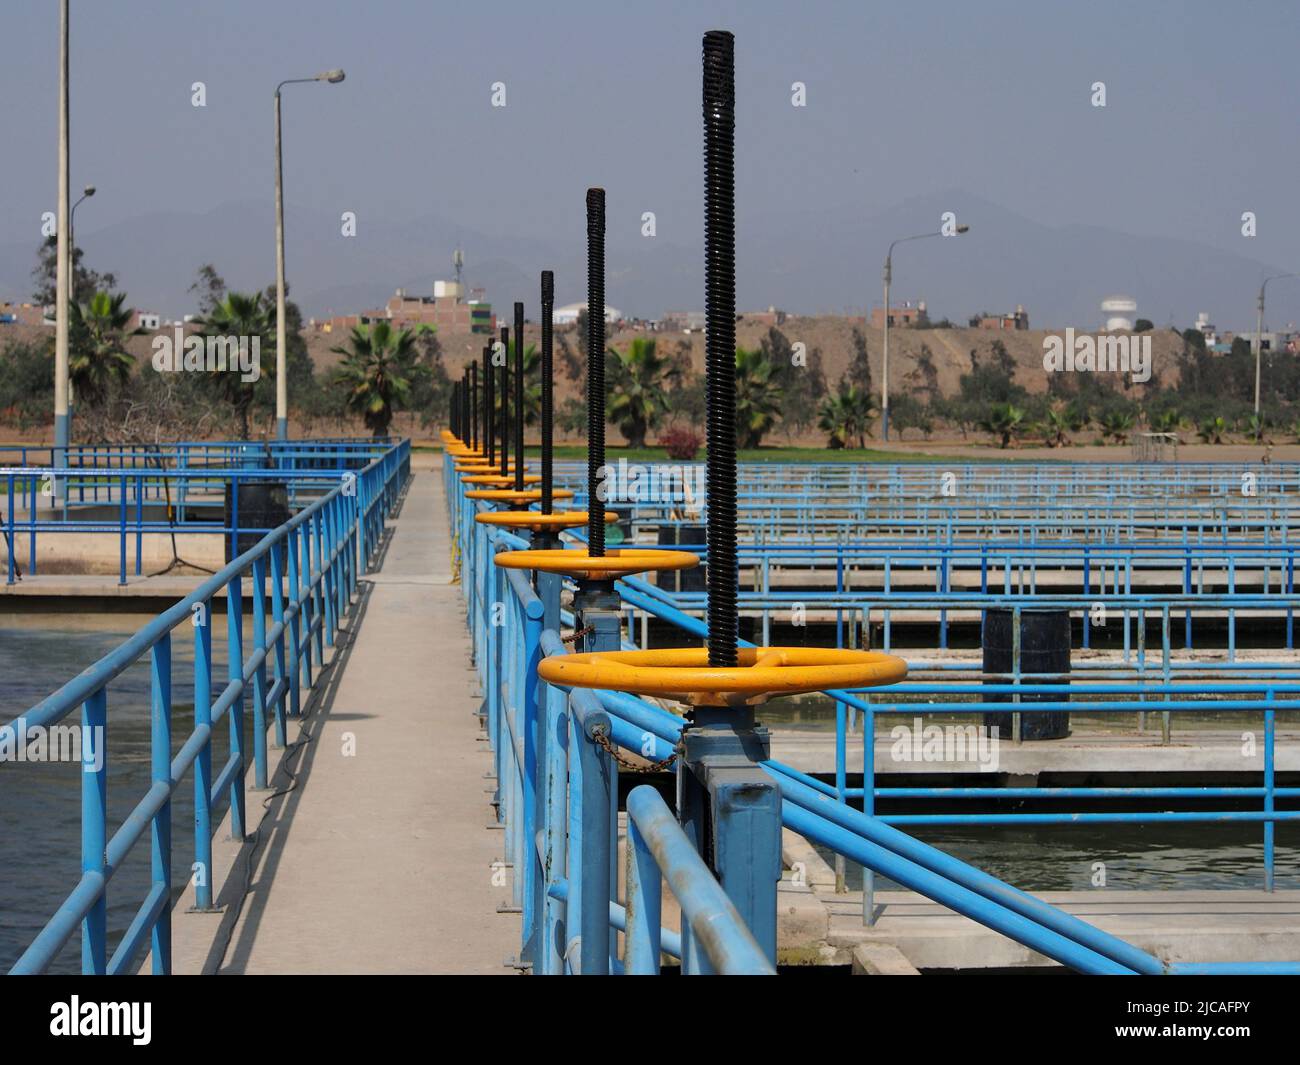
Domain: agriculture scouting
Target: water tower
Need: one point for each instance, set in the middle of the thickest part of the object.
(1120, 312)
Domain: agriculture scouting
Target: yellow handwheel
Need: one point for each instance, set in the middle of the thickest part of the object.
(536, 521)
(509, 495)
(497, 480)
(684, 673)
(614, 563)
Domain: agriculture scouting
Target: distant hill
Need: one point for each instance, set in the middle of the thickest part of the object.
(809, 262)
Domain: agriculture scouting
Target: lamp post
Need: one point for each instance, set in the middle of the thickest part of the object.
(281, 382)
(62, 271)
(87, 192)
(884, 369)
(1259, 343)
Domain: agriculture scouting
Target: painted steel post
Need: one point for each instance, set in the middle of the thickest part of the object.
(203, 762)
(295, 624)
(235, 674)
(259, 676)
(277, 621)
(644, 901)
(533, 798)
(94, 829)
(160, 829)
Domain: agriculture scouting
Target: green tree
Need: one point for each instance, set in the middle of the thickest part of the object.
(1004, 421)
(97, 355)
(758, 396)
(244, 316)
(85, 283)
(846, 415)
(376, 371)
(636, 379)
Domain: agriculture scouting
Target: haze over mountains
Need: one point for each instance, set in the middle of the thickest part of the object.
(806, 262)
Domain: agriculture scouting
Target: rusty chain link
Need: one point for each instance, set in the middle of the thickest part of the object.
(603, 741)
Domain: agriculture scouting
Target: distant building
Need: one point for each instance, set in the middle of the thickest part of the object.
(23, 314)
(1120, 312)
(1017, 319)
(146, 320)
(568, 314)
(769, 317)
(446, 309)
(683, 321)
(908, 313)
(1207, 329)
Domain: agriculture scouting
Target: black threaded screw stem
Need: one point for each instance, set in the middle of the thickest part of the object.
(473, 405)
(489, 405)
(720, 340)
(455, 409)
(505, 402)
(519, 397)
(548, 389)
(595, 370)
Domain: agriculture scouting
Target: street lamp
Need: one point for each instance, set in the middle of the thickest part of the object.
(1259, 343)
(884, 370)
(281, 382)
(87, 192)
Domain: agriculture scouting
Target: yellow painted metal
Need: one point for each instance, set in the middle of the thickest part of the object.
(684, 673)
(536, 520)
(509, 495)
(615, 562)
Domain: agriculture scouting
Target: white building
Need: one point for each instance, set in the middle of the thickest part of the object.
(1120, 312)
(568, 314)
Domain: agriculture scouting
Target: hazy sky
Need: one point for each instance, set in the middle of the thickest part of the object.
(902, 99)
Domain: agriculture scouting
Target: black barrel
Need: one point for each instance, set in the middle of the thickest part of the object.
(263, 506)
(683, 580)
(1044, 648)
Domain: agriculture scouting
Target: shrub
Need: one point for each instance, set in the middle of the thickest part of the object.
(681, 443)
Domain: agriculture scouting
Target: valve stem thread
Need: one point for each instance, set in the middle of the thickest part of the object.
(720, 341)
(595, 370)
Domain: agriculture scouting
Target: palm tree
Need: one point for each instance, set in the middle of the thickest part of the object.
(1056, 426)
(1116, 425)
(1213, 430)
(847, 415)
(637, 381)
(758, 396)
(97, 357)
(244, 317)
(377, 370)
(1003, 420)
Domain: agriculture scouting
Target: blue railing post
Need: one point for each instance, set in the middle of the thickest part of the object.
(644, 895)
(160, 750)
(203, 763)
(277, 621)
(295, 624)
(533, 798)
(259, 676)
(235, 674)
(94, 828)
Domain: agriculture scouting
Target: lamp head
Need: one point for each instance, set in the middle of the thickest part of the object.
(962, 227)
(332, 76)
(89, 190)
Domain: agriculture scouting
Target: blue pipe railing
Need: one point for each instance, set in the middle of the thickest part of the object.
(818, 810)
(310, 566)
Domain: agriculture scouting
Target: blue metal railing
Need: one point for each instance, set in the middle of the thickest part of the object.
(310, 566)
(575, 732)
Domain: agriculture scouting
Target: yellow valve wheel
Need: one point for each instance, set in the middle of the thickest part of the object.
(448, 437)
(615, 562)
(537, 521)
(509, 495)
(474, 464)
(496, 480)
(461, 452)
(684, 673)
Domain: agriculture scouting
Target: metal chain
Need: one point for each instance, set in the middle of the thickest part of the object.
(602, 741)
(577, 634)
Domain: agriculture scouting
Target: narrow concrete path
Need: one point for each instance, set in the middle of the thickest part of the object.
(378, 858)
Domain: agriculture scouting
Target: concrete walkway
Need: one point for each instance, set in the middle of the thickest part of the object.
(378, 858)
